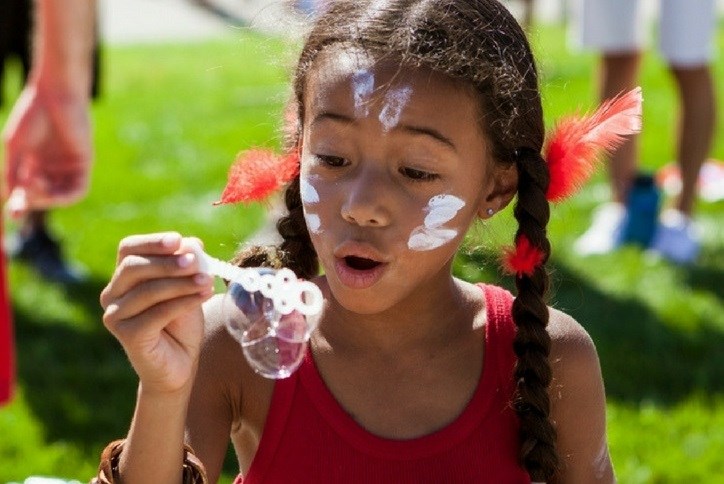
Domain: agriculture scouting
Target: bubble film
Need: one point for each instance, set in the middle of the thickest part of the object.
(273, 343)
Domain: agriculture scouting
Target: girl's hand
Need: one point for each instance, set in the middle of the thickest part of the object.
(153, 307)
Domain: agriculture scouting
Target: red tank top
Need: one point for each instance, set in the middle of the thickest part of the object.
(309, 438)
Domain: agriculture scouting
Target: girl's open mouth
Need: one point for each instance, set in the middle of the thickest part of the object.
(360, 263)
(359, 272)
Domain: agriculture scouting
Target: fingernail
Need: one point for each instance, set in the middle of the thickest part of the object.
(201, 279)
(185, 260)
(169, 240)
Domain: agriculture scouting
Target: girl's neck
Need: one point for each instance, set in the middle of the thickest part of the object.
(428, 321)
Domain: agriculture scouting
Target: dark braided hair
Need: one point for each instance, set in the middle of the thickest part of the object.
(480, 43)
(532, 343)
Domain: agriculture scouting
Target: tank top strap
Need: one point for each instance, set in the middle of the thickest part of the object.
(499, 333)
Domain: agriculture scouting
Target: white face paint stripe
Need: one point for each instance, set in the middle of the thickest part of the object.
(309, 196)
(440, 209)
(314, 223)
(307, 191)
(425, 238)
(363, 83)
(395, 102)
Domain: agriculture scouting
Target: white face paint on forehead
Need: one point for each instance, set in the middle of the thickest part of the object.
(395, 101)
(309, 197)
(363, 84)
(431, 235)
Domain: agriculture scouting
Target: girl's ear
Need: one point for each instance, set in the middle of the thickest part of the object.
(505, 186)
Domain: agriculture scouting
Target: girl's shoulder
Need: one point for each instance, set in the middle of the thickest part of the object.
(223, 365)
(578, 402)
(569, 339)
(219, 351)
(577, 380)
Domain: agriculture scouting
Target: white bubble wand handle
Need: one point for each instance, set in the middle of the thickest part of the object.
(282, 287)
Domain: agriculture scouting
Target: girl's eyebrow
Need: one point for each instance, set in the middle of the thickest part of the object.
(327, 115)
(417, 130)
(424, 130)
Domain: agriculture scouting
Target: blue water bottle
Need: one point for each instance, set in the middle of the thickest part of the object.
(642, 210)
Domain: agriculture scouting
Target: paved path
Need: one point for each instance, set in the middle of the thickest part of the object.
(144, 21)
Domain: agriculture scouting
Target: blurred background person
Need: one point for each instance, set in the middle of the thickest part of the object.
(617, 29)
(47, 137)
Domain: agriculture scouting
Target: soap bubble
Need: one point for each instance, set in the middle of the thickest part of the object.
(273, 343)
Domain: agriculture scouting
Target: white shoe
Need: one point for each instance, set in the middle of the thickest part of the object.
(604, 234)
(676, 238)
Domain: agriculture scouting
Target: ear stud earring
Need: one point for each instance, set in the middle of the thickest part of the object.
(490, 212)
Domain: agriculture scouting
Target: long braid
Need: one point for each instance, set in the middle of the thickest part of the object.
(532, 373)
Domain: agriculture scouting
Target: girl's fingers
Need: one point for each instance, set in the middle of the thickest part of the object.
(141, 297)
(146, 257)
(134, 270)
(135, 331)
(162, 243)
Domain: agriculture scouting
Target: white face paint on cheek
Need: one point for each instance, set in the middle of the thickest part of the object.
(309, 197)
(424, 238)
(395, 102)
(307, 191)
(363, 83)
(314, 223)
(440, 209)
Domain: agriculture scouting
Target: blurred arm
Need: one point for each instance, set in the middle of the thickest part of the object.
(64, 36)
(47, 137)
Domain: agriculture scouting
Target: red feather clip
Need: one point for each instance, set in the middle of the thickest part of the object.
(523, 258)
(258, 173)
(576, 142)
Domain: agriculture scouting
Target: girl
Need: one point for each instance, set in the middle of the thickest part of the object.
(413, 119)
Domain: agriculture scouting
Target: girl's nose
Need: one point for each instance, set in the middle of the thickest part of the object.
(365, 201)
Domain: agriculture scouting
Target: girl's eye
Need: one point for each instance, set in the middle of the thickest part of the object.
(418, 175)
(334, 161)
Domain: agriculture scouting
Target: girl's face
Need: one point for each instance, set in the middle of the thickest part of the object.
(394, 170)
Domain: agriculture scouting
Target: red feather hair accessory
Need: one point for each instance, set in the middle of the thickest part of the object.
(576, 142)
(523, 258)
(572, 151)
(258, 173)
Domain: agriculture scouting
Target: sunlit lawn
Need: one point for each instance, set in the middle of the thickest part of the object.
(170, 120)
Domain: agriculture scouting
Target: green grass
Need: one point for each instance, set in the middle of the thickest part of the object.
(170, 120)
